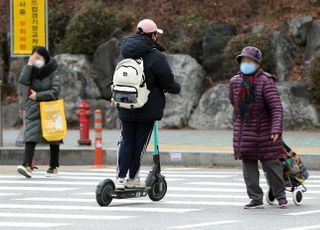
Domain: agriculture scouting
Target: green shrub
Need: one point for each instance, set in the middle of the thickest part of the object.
(127, 20)
(58, 21)
(92, 25)
(314, 78)
(187, 36)
(236, 44)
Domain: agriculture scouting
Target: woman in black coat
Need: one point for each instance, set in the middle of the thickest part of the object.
(41, 77)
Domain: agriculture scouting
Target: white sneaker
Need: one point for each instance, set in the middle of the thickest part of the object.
(135, 183)
(25, 171)
(120, 183)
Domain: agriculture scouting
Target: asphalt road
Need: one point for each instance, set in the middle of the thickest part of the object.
(197, 198)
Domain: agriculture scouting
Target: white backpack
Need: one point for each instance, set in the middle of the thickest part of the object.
(129, 88)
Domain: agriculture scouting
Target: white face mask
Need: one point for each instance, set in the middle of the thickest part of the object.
(38, 63)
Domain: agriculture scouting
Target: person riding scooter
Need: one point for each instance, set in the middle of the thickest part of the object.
(137, 124)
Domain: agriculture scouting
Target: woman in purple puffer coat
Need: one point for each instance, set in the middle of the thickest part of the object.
(257, 126)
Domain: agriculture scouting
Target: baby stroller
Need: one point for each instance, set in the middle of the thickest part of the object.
(294, 173)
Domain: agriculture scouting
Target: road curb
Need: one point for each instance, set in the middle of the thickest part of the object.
(85, 156)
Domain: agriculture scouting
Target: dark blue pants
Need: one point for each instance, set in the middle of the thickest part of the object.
(132, 146)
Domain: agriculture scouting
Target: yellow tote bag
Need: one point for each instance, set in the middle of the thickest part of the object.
(53, 120)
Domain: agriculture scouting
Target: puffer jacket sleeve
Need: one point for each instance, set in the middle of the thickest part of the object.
(52, 93)
(164, 75)
(272, 99)
(25, 76)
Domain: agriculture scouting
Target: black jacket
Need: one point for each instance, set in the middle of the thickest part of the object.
(159, 78)
(46, 82)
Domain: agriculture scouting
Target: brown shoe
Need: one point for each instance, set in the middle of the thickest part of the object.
(52, 172)
(25, 171)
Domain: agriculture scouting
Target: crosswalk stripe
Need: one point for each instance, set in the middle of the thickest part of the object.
(303, 213)
(145, 170)
(308, 227)
(93, 208)
(231, 190)
(183, 195)
(201, 196)
(58, 199)
(47, 189)
(206, 203)
(192, 226)
(96, 178)
(175, 202)
(220, 184)
(63, 216)
(217, 196)
(180, 168)
(240, 184)
(9, 194)
(312, 185)
(47, 182)
(197, 189)
(193, 189)
(222, 196)
(165, 174)
(165, 171)
(310, 180)
(55, 182)
(31, 225)
(84, 194)
(5, 180)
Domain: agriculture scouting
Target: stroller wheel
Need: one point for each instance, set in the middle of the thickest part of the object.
(297, 195)
(269, 197)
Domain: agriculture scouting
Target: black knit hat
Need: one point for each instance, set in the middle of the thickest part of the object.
(43, 52)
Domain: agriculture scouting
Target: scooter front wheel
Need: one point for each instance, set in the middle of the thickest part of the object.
(158, 189)
(104, 192)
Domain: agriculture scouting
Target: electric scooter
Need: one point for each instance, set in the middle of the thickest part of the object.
(156, 185)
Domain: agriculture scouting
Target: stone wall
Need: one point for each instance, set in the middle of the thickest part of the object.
(203, 102)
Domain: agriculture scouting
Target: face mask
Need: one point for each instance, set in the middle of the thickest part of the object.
(38, 63)
(248, 68)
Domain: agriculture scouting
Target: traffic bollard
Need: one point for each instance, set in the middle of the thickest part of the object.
(98, 139)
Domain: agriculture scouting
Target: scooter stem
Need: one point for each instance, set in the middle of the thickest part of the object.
(156, 156)
(156, 168)
(156, 138)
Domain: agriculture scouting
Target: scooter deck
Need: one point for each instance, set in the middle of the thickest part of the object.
(130, 193)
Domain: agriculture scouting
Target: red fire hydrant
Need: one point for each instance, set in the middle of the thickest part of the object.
(84, 121)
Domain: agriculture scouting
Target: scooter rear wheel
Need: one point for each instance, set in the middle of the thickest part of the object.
(103, 192)
(158, 189)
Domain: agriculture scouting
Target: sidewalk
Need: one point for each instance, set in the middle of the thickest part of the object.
(187, 140)
(177, 147)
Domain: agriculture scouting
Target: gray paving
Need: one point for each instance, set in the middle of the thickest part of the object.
(182, 137)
